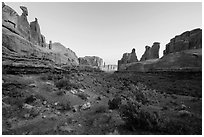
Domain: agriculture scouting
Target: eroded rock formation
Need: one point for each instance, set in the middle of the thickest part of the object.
(128, 58)
(23, 43)
(186, 55)
(185, 41)
(151, 52)
(37, 37)
(91, 61)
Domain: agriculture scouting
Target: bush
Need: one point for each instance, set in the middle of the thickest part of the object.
(60, 93)
(101, 109)
(83, 96)
(51, 76)
(138, 118)
(65, 84)
(114, 103)
(63, 106)
(140, 97)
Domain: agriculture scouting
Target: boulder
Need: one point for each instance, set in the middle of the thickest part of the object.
(151, 52)
(91, 61)
(187, 40)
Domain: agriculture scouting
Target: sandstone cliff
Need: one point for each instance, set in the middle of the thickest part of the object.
(91, 61)
(128, 58)
(151, 52)
(187, 40)
(183, 53)
(23, 43)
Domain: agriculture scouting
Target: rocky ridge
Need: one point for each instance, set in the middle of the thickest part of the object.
(187, 40)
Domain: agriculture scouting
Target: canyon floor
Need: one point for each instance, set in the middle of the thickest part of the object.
(95, 102)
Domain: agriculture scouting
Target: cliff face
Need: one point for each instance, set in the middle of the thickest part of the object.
(183, 53)
(151, 52)
(185, 41)
(23, 42)
(91, 61)
(128, 58)
(67, 55)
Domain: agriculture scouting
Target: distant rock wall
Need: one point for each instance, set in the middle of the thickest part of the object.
(183, 53)
(128, 58)
(185, 41)
(151, 52)
(91, 61)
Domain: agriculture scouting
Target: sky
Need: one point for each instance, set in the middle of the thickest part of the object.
(109, 29)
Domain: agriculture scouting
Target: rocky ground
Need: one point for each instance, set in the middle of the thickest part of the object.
(94, 102)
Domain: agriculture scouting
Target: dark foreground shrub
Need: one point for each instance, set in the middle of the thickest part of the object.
(114, 103)
(65, 84)
(83, 96)
(138, 118)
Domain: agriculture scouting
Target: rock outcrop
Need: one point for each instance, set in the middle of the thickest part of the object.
(36, 35)
(151, 52)
(128, 58)
(91, 61)
(187, 40)
(23, 43)
(183, 53)
(20, 25)
(67, 56)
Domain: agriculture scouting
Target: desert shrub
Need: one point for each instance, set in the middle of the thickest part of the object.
(51, 76)
(101, 109)
(135, 117)
(64, 106)
(83, 96)
(114, 103)
(140, 97)
(65, 84)
(60, 93)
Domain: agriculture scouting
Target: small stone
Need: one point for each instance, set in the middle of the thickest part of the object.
(27, 106)
(183, 107)
(110, 111)
(74, 91)
(56, 103)
(81, 90)
(86, 106)
(44, 102)
(66, 129)
(26, 115)
(49, 83)
(44, 116)
(32, 85)
(184, 113)
(58, 113)
(75, 108)
(79, 125)
(99, 98)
